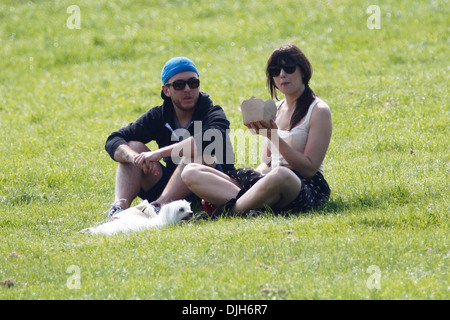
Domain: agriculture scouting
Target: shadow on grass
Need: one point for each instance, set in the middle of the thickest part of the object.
(396, 196)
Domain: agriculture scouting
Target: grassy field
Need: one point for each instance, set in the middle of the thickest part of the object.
(384, 233)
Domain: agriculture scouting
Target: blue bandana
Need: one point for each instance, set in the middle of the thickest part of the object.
(176, 65)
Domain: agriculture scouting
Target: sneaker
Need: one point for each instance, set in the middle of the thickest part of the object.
(113, 210)
(222, 211)
(208, 206)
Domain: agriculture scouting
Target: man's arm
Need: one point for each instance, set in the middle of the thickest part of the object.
(144, 129)
(125, 154)
(185, 148)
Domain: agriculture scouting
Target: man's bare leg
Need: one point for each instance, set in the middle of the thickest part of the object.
(175, 188)
(131, 179)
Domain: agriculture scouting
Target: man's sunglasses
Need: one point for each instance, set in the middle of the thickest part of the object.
(193, 83)
(274, 71)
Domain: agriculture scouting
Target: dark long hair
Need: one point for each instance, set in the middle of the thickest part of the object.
(292, 54)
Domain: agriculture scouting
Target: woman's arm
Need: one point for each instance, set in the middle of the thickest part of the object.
(266, 159)
(319, 136)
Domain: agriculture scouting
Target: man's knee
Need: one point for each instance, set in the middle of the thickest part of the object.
(138, 146)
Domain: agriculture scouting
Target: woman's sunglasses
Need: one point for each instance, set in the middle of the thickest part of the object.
(274, 71)
(193, 83)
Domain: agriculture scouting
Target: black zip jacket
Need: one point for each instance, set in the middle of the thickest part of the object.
(158, 124)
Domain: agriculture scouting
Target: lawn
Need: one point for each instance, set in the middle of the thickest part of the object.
(63, 90)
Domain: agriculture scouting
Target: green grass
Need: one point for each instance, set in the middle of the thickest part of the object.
(63, 91)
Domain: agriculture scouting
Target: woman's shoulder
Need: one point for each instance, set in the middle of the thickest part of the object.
(321, 105)
(321, 110)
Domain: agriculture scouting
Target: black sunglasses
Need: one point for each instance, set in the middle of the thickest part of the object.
(274, 71)
(193, 83)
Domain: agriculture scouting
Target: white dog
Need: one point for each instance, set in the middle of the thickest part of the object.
(143, 216)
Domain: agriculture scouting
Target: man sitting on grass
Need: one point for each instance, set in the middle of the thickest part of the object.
(184, 110)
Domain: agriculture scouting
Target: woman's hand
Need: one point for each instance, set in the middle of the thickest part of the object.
(261, 127)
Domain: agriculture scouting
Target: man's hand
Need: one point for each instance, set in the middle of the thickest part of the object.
(148, 161)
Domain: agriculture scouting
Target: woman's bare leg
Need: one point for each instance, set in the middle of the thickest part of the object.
(209, 184)
(277, 189)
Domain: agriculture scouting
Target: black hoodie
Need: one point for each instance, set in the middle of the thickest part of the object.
(158, 124)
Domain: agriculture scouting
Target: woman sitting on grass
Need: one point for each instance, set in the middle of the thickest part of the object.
(289, 177)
